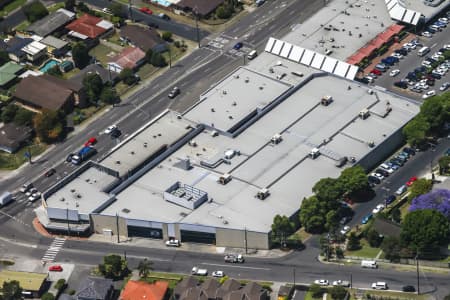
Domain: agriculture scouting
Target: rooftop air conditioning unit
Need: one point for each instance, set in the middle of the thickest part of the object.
(193, 143)
(276, 139)
(326, 100)
(364, 114)
(214, 133)
(225, 178)
(315, 152)
(262, 194)
(229, 154)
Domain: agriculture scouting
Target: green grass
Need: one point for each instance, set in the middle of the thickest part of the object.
(309, 296)
(12, 6)
(102, 53)
(146, 71)
(115, 38)
(398, 295)
(55, 7)
(22, 26)
(365, 251)
(13, 161)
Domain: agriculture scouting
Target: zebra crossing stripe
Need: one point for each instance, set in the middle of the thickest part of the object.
(53, 250)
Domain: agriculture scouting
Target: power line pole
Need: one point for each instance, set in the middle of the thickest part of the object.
(417, 271)
(245, 240)
(117, 226)
(294, 276)
(67, 217)
(196, 26)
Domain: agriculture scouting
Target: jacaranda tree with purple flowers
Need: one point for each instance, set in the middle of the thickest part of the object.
(437, 199)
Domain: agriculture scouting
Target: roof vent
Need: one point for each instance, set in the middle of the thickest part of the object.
(224, 92)
(276, 139)
(117, 162)
(262, 194)
(370, 92)
(132, 152)
(72, 190)
(62, 199)
(192, 143)
(179, 117)
(225, 222)
(225, 178)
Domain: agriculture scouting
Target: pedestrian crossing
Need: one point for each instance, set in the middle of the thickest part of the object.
(53, 250)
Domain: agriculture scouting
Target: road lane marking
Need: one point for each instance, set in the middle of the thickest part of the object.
(235, 266)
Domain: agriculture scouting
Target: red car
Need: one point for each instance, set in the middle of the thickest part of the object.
(411, 181)
(376, 72)
(146, 10)
(55, 268)
(91, 141)
(50, 172)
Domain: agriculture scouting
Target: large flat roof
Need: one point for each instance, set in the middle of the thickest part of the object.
(284, 169)
(341, 26)
(234, 98)
(84, 193)
(148, 140)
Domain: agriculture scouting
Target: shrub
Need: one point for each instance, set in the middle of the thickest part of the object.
(438, 200)
(316, 290)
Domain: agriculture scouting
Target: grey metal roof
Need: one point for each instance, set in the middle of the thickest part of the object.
(53, 42)
(51, 22)
(94, 288)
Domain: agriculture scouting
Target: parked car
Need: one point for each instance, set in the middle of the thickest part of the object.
(321, 282)
(401, 190)
(394, 72)
(218, 274)
(408, 288)
(164, 16)
(345, 229)
(376, 72)
(116, 133)
(366, 218)
(427, 34)
(90, 141)
(55, 268)
(401, 84)
(379, 286)
(378, 208)
(444, 86)
(343, 283)
(373, 179)
(146, 10)
(174, 92)
(173, 243)
(389, 199)
(409, 150)
(382, 172)
(411, 181)
(429, 94)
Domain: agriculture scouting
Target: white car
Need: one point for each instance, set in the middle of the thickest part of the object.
(345, 230)
(218, 274)
(322, 282)
(34, 197)
(378, 208)
(443, 20)
(394, 73)
(110, 129)
(429, 94)
(106, 10)
(173, 243)
(446, 47)
(31, 192)
(397, 55)
(343, 283)
(377, 175)
(427, 34)
(444, 86)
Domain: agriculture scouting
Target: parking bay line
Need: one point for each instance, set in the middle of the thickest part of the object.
(234, 266)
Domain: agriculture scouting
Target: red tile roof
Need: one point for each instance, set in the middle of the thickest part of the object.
(136, 290)
(129, 57)
(87, 25)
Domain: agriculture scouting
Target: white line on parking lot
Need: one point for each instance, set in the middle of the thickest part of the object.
(235, 266)
(434, 45)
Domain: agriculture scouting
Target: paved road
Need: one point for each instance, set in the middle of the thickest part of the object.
(412, 61)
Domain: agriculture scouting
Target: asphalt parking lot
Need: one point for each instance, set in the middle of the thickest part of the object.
(411, 61)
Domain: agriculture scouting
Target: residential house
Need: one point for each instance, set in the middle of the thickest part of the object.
(15, 46)
(51, 23)
(49, 92)
(89, 29)
(285, 292)
(34, 51)
(32, 284)
(95, 288)
(185, 284)
(107, 76)
(227, 287)
(143, 38)
(387, 227)
(13, 136)
(201, 8)
(8, 74)
(130, 57)
(55, 46)
(253, 291)
(135, 290)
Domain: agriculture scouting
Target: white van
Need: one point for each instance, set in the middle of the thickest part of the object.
(379, 285)
(422, 51)
(252, 54)
(371, 264)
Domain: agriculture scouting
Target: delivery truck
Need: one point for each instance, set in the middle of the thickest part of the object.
(83, 155)
(5, 198)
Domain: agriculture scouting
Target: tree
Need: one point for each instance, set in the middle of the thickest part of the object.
(80, 54)
(9, 113)
(144, 268)
(127, 76)
(48, 296)
(55, 71)
(158, 60)
(437, 199)
(354, 180)
(311, 215)
(328, 189)
(425, 231)
(148, 56)
(353, 242)
(282, 227)
(83, 7)
(396, 215)
(23, 117)
(60, 284)
(4, 57)
(338, 292)
(49, 125)
(34, 11)
(116, 9)
(11, 290)
(109, 95)
(374, 238)
(167, 36)
(69, 4)
(316, 290)
(444, 164)
(420, 187)
(391, 248)
(114, 266)
(93, 84)
(415, 131)
(434, 111)
(332, 220)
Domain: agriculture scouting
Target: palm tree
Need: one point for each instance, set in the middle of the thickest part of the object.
(144, 268)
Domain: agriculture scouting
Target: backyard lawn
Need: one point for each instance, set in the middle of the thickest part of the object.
(102, 53)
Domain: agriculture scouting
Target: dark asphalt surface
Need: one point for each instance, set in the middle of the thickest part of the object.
(193, 75)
